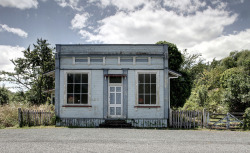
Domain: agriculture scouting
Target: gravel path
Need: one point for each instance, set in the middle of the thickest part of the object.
(121, 140)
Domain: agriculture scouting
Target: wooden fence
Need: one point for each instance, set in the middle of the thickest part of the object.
(35, 117)
(192, 119)
(188, 119)
(233, 120)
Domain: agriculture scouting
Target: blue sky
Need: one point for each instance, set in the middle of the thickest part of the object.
(210, 27)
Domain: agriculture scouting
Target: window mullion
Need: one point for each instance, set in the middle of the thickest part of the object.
(73, 88)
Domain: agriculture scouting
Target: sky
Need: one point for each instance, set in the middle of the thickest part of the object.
(213, 28)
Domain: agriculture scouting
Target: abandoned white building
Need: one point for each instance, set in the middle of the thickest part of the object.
(99, 83)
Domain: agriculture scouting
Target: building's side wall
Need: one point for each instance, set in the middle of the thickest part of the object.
(96, 100)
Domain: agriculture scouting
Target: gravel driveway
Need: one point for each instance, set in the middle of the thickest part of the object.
(121, 140)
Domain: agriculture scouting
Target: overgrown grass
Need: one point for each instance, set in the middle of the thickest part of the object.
(9, 112)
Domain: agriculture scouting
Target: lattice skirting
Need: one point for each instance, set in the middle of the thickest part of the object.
(95, 122)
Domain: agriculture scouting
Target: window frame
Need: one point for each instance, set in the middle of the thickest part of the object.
(156, 72)
(66, 86)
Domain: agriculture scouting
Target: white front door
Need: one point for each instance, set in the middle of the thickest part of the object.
(115, 102)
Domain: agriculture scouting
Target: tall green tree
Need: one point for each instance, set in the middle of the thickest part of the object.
(29, 71)
(180, 88)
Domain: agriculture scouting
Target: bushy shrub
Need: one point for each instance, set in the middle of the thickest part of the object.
(9, 112)
(247, 118)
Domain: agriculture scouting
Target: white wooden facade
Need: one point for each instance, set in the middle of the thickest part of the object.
(112, 81)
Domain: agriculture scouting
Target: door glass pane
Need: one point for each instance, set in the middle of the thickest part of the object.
(112, 89)
(118, 111)
(112, 98)
(112, 110)
(118, 89)
(115, 80)
(77, 78)
(118, 98)
(147, 99)
(76, 98)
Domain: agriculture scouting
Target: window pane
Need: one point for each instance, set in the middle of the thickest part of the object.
(112, 89)
(147, 88)
(147, 78)
(76, 98)
(141, 99)
(70, 99)
(153, 88)
(84, 78)
(115, 80)
(70, 78)
(118, 111)
(147, 99)
(84, 99)
(77, 78)
(141, 78)
(84, 88)
(153, 78)
(153, 99)
(112, 98)
(70, 88)
(118, 98)
(141, 88)
(112, 110)
(77, 88)
(118, 89)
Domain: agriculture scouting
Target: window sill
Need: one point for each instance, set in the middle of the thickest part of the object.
(147, 106)
(76, 106)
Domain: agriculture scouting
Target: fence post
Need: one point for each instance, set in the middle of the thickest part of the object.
(228, 121)
(20, 117)
(204, 117)
(28, 117)
(170, 118)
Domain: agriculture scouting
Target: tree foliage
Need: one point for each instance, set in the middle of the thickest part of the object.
(180, 88)
(29, 71)
(4, 95)
(223, 85)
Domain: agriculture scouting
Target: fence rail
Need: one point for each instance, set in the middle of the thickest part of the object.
(35, 117)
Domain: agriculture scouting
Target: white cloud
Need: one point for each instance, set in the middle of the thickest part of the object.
(185, 6)
(17, 31)
(122, 4)
(191, 25)
(70, 3)
(221, 46)
(79, 21)
(20, 4)
(149, 25)
(6, 54)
